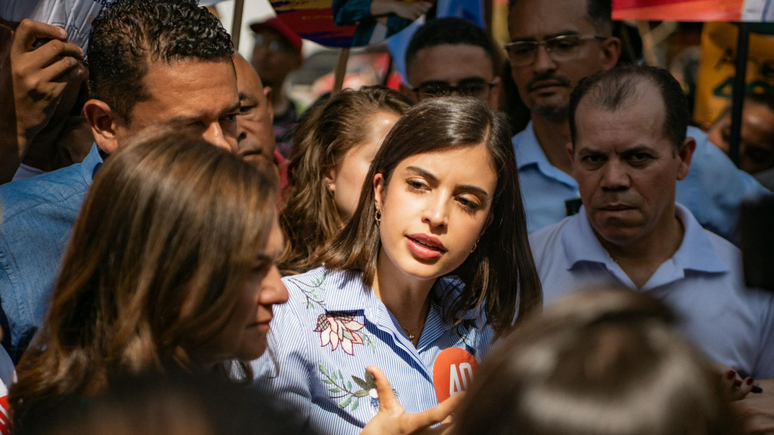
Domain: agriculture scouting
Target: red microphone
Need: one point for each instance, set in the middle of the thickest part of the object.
(453, 372)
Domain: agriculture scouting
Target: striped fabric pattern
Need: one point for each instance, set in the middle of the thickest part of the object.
(331, 329)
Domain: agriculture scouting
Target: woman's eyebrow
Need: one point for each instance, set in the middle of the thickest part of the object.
(473, 189)
(429, 176)
(422, 172)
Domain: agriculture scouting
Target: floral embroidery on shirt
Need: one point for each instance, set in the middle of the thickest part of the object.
(338, 388)
(314, 293)
(339, 328)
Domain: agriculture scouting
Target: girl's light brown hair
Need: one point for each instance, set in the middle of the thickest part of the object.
(328, 130)
(499, 276)
(163, 245)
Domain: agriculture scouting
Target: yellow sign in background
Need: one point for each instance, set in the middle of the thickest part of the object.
(717, 70)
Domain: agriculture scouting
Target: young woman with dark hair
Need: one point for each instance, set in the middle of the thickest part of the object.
(434, 264)
(333, 148)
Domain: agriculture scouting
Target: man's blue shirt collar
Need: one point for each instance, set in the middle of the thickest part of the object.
(696, 251)
(530, 153)
(91, 164)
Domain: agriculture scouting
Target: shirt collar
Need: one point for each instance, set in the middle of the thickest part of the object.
(580, 243)
(696, 251)
(91, 164)
(529, 152)
(346, 292)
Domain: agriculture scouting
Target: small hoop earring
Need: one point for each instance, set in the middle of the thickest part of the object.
(378, 216)
(475, 245)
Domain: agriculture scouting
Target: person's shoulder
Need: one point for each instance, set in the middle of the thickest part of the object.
(58, 187)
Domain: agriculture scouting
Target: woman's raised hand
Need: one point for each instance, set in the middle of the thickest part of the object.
(393, 419)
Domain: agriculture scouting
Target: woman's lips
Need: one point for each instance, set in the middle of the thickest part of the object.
(425, 247)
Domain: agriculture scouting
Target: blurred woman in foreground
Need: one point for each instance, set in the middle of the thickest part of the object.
(171, 267)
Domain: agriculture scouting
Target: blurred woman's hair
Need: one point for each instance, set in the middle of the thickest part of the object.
(499, 276)
(162, 247)
(598, 362)
(168, 405)
(326, 132)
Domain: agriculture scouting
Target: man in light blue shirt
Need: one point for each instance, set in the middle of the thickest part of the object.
(556, 44)
(186, 78)
(628, 150)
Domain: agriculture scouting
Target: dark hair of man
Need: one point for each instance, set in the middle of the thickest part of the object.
(616, 89)
(130, 34)
(326, 132)
(499, 276)
(598, 13)
(599, 362)
(448, 31)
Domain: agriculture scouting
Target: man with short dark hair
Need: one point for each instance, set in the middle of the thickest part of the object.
(628, 151)
(151, 63)
(448, 56)
(553, 46)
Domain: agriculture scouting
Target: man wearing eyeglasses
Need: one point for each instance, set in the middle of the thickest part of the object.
(277, 53)
(451, 56)
(554, 44)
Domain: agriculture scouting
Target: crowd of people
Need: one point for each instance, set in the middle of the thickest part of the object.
(405, 264)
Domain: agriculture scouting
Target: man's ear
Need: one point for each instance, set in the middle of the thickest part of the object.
(611, 52)
(379, 190)
(406, 90)
(685, 154)
(267, 100)
(106, 125)
(494, 94)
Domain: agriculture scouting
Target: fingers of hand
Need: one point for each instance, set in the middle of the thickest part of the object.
(436, 414)
(387, 399)
(63, 69)
(52, 51)
(30, 31)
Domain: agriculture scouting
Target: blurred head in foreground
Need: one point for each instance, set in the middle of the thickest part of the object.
(154, 405)
(171, 267)
(597, 362)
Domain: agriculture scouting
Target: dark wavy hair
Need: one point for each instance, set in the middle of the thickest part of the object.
(499, 277)
(599, 362)
(130, 34)
(325, 134)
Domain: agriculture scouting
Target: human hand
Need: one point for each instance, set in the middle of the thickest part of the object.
(731, 383)
(756, 412)
(40, 74)
(393, 419)
(411, 10)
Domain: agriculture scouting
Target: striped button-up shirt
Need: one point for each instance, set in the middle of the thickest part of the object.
(333, 327)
